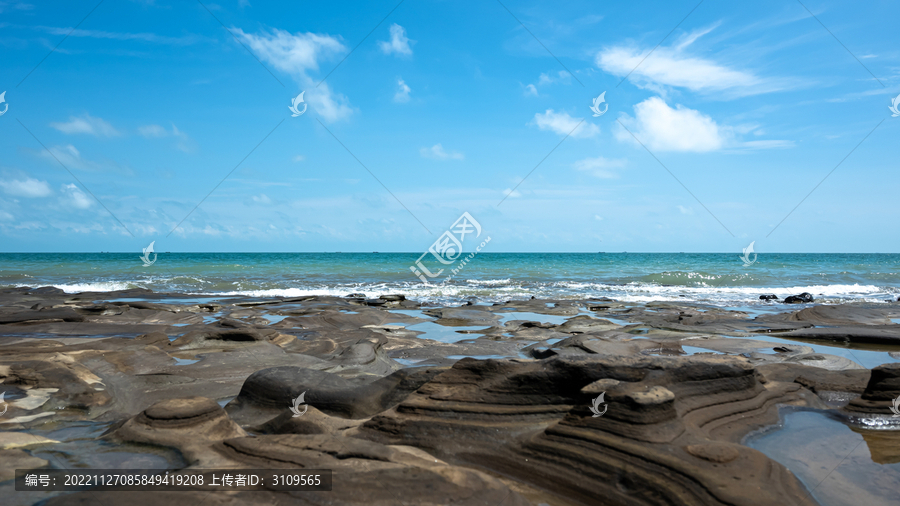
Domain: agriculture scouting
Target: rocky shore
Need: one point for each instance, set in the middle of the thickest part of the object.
(425, 405)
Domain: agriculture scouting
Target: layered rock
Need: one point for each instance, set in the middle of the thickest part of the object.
(190, 424)
(881, 391)
(669, 436)
(269, 392)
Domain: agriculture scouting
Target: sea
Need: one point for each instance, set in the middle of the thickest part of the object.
(718, 279)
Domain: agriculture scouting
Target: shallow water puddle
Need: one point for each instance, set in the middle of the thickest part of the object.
(274, 318)
(184, 361)
(79, 447)
(844, 467)
(415, 313)
(865, 358)
(164, 300)
(432, 330)
(533, 317)
(478, 357)
(753, 312)
(441, 333)
(692, 350)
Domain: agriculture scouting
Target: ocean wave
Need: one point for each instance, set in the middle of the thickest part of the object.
(489, 282)
(494, 290)
(101, 286)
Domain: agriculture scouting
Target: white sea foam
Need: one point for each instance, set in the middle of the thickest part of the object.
(101, 286)
(489, 282)
(499, 290)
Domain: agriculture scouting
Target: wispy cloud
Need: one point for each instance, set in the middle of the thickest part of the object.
(72, 196)
(183, 141)
(561, 76)
(399, 43)
(27, 187)
(563, 124)
(15, 6)
(600, 166)
(69, 156)
(437, 152)
(675, 66)
(86, 124)
(100, 34)
(298, 55)
(262, 198)
(545, 79)
(403, 91)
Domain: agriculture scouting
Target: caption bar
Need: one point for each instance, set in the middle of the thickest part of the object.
(36, 480)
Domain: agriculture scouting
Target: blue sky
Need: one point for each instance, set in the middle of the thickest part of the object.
(150, 104)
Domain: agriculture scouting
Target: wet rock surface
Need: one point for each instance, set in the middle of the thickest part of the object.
(476, 404)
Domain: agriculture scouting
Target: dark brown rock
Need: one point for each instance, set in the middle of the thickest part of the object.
(882, 389)
(531, 420)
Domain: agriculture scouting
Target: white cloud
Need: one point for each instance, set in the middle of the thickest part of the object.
(510, 193)
(298, 158)
(29, 188)
(563, 124)
(298, 55)
(22, 6)
(100, 34)
(5, 216)
(545, 79)
(262, 199)
(183, 141)
(437, 152)
(86, 124)
(398, 44)
(673, 66)
(74, 197)
(561, 76)
(662, 128)
(770, 144)
(403, 90)
(598, 217)
(152, 131)
(599, 167)
(69, 156)
(686, 210)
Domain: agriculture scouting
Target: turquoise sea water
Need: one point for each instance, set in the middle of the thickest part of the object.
(714, 278)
